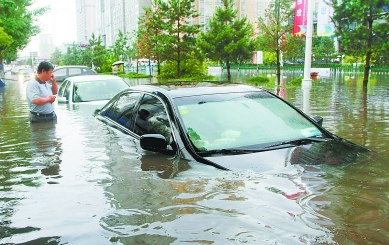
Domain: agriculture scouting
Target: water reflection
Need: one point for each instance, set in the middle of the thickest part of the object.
(45, 148)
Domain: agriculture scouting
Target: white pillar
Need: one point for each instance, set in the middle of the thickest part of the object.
(308, 43)
(307, 81)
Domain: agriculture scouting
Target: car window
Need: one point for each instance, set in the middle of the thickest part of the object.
(61, 89)
(151, 118)
(87, 71)
(74, 71)
(60, 72)
(122, 110)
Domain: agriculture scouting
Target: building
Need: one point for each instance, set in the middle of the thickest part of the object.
(114, 15)
(85, 19)
(46, 46)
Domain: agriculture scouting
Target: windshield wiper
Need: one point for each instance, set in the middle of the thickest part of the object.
(228, 151)
(301, 141)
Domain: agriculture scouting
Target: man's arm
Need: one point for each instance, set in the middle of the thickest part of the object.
(43, 100)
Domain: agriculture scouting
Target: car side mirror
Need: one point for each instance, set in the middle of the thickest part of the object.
(318, 120)
(156, 143)
(62, 99)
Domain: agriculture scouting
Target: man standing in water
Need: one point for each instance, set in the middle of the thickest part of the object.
(41, 95)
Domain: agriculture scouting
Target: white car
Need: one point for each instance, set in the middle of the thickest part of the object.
(90, 88)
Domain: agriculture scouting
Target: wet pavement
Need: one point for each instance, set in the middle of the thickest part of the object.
(80, 182)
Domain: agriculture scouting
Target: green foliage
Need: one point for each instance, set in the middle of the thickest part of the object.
(120, 46)
(191, 67)
(98, 52)
(135, 75)
(363, 29)
(228, 39)
(258, 80)
(56, 57)
(18, 21)
(294, 48)
(296, 81)
(179, 37)
(5, 39)
(150, 36)
(269, 58)
(323, 48)
(275, 25)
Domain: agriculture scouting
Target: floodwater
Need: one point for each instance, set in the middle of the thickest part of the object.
(80, 182)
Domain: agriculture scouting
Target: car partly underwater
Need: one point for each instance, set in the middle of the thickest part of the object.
(230, 127)
(87, 88)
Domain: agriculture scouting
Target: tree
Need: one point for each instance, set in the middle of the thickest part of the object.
(99, 51)
(323, 48)
(5, 41)
(150, 35)
(294, 48)
(274, 26)
(179, 38)
(73, 56)
(362, 27)
(56, 56)
(18, 21)
(120, 46)
(228, 39)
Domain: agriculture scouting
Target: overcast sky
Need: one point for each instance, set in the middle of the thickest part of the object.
(59, 21)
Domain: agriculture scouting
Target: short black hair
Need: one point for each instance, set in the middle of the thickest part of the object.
(46, 66)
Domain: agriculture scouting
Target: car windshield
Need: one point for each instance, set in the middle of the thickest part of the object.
(25, 71)
(97, 90)
(242, 120)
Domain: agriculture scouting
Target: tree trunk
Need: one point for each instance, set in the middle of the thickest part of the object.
(367, 69)
(228, 71)
(278, 67)
(2, 75)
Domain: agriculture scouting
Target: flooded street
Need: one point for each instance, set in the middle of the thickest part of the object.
(81, 182)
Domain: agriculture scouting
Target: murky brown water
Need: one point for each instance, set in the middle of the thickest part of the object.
(79, 182)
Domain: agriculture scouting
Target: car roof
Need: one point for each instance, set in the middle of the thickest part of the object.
(70, 66)
(92, 77)
(194, 89)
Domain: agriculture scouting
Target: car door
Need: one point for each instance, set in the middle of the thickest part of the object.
(64, 91)
(121, 111)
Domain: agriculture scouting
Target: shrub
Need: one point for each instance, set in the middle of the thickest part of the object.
(296, 81)
(257, 80)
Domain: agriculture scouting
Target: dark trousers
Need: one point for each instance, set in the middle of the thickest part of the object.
(43, 118)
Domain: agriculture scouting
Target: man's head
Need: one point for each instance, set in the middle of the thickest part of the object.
(45, 70)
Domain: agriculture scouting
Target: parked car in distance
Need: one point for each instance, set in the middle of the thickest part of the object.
(7, 68)
(81, 89)
(15, 70)
(230, 127)
(25, 74)
(63, 72)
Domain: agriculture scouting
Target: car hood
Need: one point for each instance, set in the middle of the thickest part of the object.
(336, 151)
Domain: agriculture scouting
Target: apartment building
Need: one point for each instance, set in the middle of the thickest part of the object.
(109, 17)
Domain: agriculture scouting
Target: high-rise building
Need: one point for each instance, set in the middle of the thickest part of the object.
(251, 9)
(46, 46)
(86, 19)
(116, 15)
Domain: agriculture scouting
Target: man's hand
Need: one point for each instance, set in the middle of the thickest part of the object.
(51, 98)
(52, 78)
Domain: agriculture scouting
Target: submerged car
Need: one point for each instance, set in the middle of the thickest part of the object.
(63, 72)
(81, 89)
(25, 73)
(230, 127)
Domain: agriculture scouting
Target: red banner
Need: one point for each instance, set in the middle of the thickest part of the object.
(300, 18)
